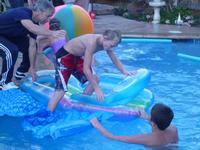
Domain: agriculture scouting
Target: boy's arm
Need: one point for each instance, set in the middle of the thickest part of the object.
(42, 42)
(32, 57)
(117, 62)
(88, 57)
(144, 139)
(143, 114)
(40, 30)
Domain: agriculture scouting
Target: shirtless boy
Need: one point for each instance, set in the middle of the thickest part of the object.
(162, 132)
(76, 56)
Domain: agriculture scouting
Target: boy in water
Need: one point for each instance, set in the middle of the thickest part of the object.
(162, 132)
(76, 56)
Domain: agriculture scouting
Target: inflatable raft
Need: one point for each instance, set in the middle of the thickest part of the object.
(122, 94)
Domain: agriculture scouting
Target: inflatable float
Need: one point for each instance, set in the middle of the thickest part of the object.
(16, 103)
(122, 94)
(39, 120)
(188, 57)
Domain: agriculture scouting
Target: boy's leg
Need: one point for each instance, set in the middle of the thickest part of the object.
(59, 78)
(89, 88)
(23, 45)
(79, 74)
(8, 52)
(59, 88)
(57, 96)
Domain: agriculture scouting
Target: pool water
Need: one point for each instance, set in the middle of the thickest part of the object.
(174, 82)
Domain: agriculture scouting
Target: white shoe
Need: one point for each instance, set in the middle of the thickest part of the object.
(9, 85)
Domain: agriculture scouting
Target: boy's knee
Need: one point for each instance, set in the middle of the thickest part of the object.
(60, 92)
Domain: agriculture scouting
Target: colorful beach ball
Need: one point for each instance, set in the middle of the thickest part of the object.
(74, 19)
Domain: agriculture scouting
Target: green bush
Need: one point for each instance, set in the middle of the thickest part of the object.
(173, 15)
(147, 16)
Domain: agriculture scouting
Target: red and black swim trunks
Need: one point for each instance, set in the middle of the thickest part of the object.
(73, 65)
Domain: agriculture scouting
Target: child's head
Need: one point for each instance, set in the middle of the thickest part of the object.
(54, 24)
(161, 115)
(111, 38)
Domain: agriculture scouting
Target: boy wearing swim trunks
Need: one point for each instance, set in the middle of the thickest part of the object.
(163, 132)
(76, 56)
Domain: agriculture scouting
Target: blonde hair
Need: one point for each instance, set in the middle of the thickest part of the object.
(112, 34)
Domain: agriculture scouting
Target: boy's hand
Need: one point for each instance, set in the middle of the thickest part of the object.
(143, 114)
(94, 122)
(33, 74)
(58, 33)
(99, 94)
(126, 73)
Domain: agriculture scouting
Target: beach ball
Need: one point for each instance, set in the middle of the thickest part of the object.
(74, 20)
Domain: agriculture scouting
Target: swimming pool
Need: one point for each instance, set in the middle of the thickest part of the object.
(174, 82)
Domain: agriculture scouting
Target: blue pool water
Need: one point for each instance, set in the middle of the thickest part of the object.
(174, 82)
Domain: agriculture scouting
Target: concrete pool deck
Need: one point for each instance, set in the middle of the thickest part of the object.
(132, 28)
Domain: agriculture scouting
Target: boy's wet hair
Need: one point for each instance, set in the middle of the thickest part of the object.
(54, 24)
(112, 34)
(161, 115)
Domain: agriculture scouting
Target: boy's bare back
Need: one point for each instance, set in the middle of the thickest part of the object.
(170, 135)
(79, 45)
